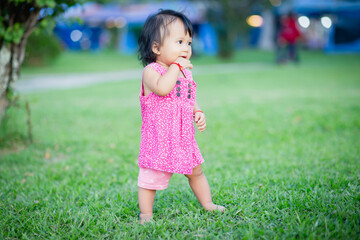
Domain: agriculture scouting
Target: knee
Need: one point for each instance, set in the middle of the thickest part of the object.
(197, 172)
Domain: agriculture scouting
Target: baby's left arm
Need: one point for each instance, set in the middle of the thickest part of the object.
(199, 118)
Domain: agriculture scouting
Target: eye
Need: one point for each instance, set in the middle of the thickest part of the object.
(180, 41)
(189, 43)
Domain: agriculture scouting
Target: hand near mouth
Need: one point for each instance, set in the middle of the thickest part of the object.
(185, 63)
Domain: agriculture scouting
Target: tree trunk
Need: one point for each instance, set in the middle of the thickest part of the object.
(5, 69)
(11, 57)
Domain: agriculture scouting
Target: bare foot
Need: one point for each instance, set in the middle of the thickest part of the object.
(213, 207)
(144, 218)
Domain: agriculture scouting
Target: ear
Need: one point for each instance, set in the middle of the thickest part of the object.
(155, 48)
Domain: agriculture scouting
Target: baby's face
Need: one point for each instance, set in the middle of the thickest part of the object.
(176, 44)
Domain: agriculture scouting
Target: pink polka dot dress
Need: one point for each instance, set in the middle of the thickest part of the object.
(168, 134)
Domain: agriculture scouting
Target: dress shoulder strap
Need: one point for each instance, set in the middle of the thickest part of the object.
(157, 67)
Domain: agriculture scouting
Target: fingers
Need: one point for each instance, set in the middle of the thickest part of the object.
(185, 63)
(197, 117)
(202, 128)
(200, 120)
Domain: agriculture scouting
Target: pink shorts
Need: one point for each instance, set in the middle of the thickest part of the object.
(153, 179)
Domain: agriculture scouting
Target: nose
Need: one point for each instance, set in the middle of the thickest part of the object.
(187, 51)
(186, 48)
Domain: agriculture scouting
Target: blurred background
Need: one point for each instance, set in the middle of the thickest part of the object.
(221, 27)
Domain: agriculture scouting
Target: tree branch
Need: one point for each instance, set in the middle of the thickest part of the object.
(30, 24)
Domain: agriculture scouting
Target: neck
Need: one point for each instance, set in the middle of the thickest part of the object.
(162, 64)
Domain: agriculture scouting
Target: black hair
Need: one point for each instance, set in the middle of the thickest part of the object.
(151, 32)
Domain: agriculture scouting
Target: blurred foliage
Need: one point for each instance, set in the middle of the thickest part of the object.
(42, 49)
(19, 18)
(229, 19)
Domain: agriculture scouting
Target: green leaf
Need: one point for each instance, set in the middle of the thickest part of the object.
(8, 36)
(50, 3)
(41, 3)
(44, 23)
(2, 31)
(13, 34)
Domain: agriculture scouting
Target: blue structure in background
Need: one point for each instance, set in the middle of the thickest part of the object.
(254, 36)
(100, 21)
(209, 38)
(127, 21)
(90, 36)
(344, 35)
(128, 42)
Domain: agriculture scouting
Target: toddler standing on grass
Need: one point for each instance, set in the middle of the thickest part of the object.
(168, 109)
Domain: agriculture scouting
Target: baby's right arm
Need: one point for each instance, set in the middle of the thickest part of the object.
(162, 85)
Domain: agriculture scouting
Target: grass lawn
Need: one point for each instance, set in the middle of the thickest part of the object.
(281, 153)
(70, 62)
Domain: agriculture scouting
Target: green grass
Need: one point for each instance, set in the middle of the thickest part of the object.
(281, 153)
(69, 62)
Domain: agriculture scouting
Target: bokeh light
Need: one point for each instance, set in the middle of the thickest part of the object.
(304, 21)
(255, 21)
(120, 22)
(110, 22)
(326, 22)
(75, 35)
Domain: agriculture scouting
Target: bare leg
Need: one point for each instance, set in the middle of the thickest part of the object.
(146, 201)
(201, 189)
